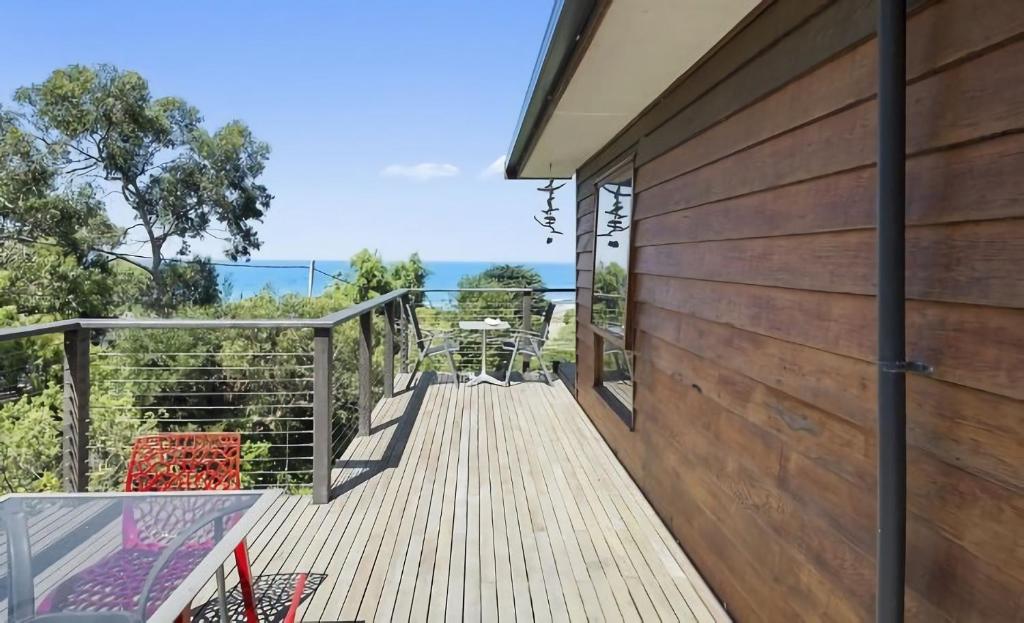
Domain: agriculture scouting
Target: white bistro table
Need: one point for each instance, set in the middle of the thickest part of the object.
(483, 328)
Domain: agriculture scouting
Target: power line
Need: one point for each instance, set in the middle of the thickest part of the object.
(335, 277)
(117, 255)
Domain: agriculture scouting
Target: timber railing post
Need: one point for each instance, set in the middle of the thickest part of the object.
(75, 432)
(389, 349)
(323, 424)
(403, 329)
(527, 303)
(365, 376)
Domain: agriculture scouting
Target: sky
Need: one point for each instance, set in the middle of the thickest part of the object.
(387, 120)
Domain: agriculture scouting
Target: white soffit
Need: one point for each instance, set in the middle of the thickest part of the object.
(639, 49)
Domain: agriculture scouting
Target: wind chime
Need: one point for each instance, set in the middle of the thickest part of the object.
(617, 214)
(548, 220)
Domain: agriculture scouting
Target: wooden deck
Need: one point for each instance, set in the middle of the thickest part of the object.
(484, 503)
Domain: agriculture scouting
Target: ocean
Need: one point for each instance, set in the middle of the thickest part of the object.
(291, 276)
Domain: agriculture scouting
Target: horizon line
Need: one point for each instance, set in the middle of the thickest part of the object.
(386, 260)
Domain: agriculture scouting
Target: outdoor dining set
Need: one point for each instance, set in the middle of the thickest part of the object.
(521, 342)
(143, 554)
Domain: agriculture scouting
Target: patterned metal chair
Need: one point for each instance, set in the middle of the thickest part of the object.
(430, 343)
(165, 462)
(530, 344)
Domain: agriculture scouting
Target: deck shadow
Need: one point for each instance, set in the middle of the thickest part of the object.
(392, 454)
(273, 597)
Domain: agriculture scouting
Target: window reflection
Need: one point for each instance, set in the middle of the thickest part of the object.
(611, 253)
(610, 287)
(617, 374)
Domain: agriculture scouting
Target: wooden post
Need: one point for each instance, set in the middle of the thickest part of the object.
(323, 425)
(527, 302)
(365, 376)
(403, 329)
(75, 433)
(389, 349)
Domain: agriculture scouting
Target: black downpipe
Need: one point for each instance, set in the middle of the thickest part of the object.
(892, 391)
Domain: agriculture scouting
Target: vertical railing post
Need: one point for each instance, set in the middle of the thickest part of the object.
(323, 425)
(527, 303)
(527, 306)
(389, 349)
(403, 329)
(75, 433)
(365, 363)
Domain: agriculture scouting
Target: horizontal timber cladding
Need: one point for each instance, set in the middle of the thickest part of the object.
(980, 182)
(845, 140)
(977, 262)
(753, 281)
(968, 345)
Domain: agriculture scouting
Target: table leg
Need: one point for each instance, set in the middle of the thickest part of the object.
(483, 377)
(185, 616)
(222, 591)
(20, 579)
(222, 595)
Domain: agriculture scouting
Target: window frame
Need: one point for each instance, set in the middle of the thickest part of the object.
(602, 336)
(626, 340)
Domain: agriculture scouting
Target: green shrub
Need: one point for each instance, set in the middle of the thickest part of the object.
(30, 452)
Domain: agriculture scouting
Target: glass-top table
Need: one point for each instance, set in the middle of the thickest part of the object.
(116, 556)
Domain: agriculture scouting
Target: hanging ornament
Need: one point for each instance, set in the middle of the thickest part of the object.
(618, 216)
(548, 219)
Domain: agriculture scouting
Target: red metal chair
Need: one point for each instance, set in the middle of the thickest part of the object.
(166, 462)
(200, 462)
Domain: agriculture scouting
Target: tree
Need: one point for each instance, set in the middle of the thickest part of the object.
(187, 283)
(410, 274)
(369, 276)
(609, 308)
(610, 279)
(47, 233)
(92, 132)
(35, 204)
(504, 276)
(502, 304)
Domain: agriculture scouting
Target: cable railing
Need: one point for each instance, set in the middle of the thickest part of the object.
(257, 382)
(298, 390)
(363, 372)
(521, 308)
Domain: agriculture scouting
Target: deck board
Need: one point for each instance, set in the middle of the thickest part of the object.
(483, 503)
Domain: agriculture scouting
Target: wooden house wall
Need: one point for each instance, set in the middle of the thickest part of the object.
(753, 280)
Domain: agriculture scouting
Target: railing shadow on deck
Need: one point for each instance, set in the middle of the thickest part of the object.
(393, 452)
(426, 379)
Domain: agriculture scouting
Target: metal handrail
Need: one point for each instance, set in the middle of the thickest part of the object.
(326, 322)
(60, 326)
(511, 290)
(77, 381)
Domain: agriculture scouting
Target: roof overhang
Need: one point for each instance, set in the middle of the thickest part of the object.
(601, 64)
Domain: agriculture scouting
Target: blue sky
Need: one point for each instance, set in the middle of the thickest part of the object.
(383, 117)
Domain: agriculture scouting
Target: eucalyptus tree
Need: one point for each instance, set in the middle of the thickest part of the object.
(96, 136)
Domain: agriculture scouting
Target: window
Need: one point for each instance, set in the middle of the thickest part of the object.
(610, 301)
(617, 374)
(611, 253)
